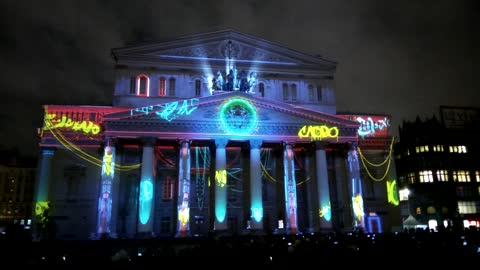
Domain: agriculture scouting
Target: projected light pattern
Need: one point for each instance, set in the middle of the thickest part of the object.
(168, 111)
(257, 213)
(238, 117)
(146, 196)
(392, 192)
(357, 203)
(108, 163)
(357, 192)
(183, 204)
(325, 212)
(318, 133)
(221, 178)
(41, 207)
(378, 221)
(290, 189)
(87, 127)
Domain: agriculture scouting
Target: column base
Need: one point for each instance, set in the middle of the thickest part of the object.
(145, 235)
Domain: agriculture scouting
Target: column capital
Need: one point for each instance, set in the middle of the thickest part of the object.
(221, 142)
(320, 145)
(255, 144)
(148, 141)
(48, 151)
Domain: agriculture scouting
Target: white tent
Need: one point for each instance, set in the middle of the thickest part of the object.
(412, 223)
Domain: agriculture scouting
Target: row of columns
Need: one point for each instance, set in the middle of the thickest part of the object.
(147, 187)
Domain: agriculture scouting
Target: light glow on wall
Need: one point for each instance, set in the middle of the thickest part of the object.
(87, 127)
(238, 116)
(325, 212)
(374, 218)
(318, 133)
(41, 207)
(221, 178)
(257, 213)
(108, 163)
(146, 196)
(392, 192)
(357, 203)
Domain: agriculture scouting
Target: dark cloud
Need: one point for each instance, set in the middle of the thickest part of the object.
(399, 58)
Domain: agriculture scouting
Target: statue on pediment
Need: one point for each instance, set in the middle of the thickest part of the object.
(234, 81)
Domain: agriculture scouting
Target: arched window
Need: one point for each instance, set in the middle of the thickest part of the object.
(198, 85)
(162, 87)
(171, 87)
(319, 93)
(143, 85)
(310, 93)
(294, 92)
(261, 89)
(285, 91)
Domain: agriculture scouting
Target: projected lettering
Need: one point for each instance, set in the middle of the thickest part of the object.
(392, 192)
(368, 126)
(317, 133)
(169, 111)
(51, 122)
(221, 178)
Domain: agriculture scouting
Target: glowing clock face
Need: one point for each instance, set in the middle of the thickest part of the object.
(238, 116)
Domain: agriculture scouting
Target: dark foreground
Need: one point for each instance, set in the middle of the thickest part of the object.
(250, 251)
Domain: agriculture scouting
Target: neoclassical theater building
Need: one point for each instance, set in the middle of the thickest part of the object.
(219, 132)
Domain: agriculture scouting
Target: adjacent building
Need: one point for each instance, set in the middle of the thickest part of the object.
(438, 169)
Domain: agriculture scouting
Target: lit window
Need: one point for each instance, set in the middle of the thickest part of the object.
(418, 211)
(477, 176)
(461, 176)
(162, 87)
(403, 193)
(425, 176)
(421, 149)
(467, 207)
(457, 149)
(167, 188)
(411, 177)
(431, 210)
(171, 87)
(143, 84)
(197, 88)
(438, 148)
(442, 175)
(310, 93)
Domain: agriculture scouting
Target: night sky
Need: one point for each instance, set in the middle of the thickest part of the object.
(396, 58)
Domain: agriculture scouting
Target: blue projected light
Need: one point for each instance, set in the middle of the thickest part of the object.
(257, 213)
(238, 117)
(146, 195)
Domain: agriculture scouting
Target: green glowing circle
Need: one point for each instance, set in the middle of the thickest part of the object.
(238, 116)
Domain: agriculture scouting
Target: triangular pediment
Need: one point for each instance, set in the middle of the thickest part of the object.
(219, 46)
(209, 115)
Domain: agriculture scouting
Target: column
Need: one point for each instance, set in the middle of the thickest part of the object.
(290, 189)
(42, 202)
(312, 209)
(323, 188)
(183, 207)
(256, 201)
(105, 199)
(220, 185)
(146, 190)
(356, 187)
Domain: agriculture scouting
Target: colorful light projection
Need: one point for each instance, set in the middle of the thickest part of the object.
(257, 213)
(388, 161)
(168, 111)
(373, 218)
(41, 207)
(370, 125)
(357, 192)
(290, 189)
(238, 117)
(220, 205)
(256, 205)
(318, 133)
(357, 204)
(183, 204)
(325, 212)
(221, 178)
(146, 196)
(87, 127)
(82, 154)
(392, 192)
(105, 199)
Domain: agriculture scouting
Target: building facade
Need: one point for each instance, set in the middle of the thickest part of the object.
(438, 169)
(221, 132)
